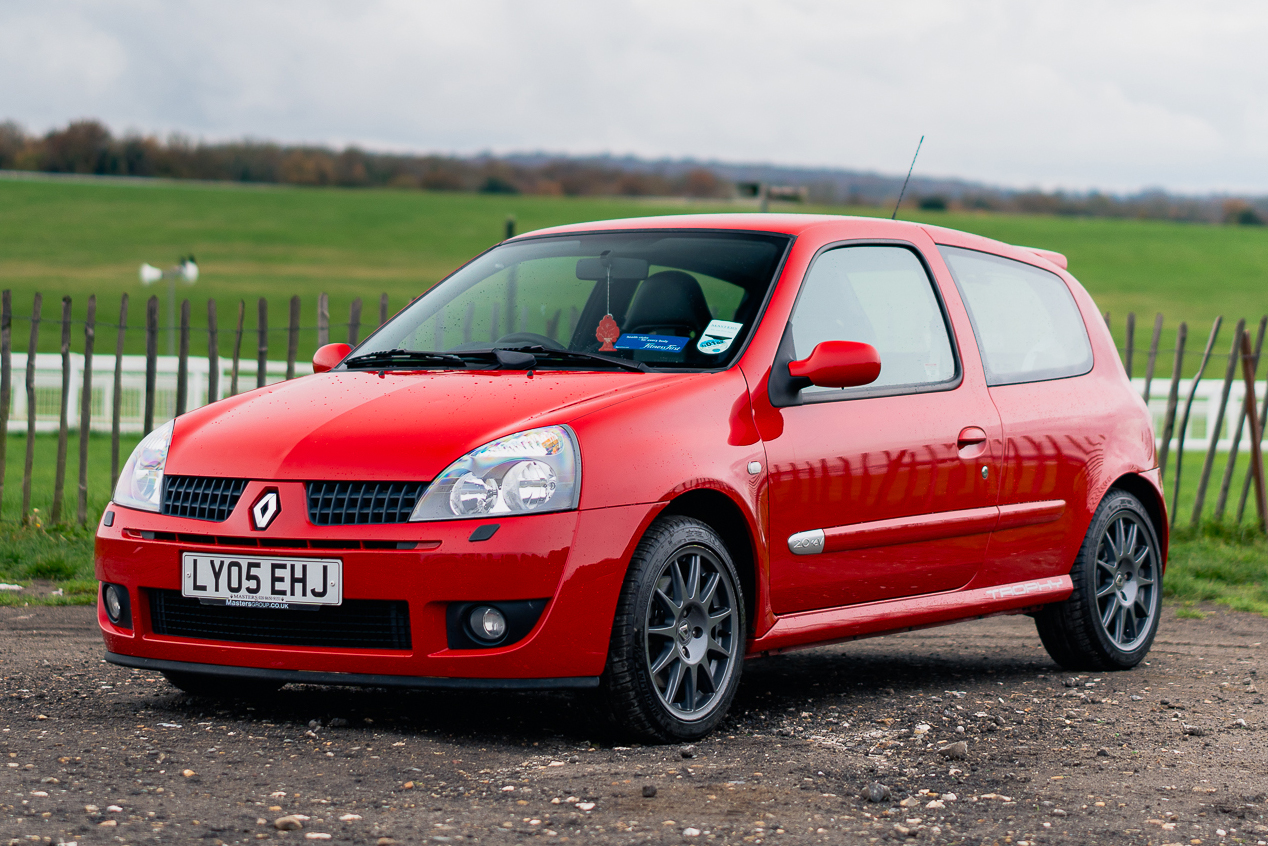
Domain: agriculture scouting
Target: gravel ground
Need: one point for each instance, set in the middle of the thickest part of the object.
(964, 734)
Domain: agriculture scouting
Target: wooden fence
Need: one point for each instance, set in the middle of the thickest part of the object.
(136, 378)
(129, 394)
(1242, 367)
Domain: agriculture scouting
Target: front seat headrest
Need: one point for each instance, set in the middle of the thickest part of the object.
(668, 303)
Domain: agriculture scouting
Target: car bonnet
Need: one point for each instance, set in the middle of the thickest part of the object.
(398, 426)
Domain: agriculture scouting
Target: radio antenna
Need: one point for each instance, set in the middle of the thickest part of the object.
(894, 216)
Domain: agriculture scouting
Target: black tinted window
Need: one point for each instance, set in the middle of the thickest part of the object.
(1027, 324)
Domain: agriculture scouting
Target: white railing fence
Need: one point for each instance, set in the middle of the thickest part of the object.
(48, 393)
(48, 389)
(1206, 404)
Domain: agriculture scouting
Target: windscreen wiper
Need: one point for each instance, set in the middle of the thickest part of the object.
(545, 353)
(507, 358)
(383, 358)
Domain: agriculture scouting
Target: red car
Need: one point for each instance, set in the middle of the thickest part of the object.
(628, 455)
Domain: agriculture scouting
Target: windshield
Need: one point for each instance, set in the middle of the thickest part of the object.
(637, 300)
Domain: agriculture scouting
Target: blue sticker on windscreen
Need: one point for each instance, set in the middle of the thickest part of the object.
(655, 343)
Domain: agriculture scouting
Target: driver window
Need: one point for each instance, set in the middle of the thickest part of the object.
(881, 296)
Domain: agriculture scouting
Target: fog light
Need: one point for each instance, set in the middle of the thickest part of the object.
(487, 623)
(116, 600)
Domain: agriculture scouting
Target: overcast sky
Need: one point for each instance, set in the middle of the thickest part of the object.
(1077, 95)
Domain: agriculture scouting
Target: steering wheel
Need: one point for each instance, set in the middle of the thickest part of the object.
(517, 339)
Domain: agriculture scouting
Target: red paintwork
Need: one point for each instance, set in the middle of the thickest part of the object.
(329, 356)
(914, 535)
(839, 364)
(1056, 258)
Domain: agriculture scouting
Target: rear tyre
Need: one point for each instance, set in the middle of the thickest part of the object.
(221, 687)
(1110, 619)
(677, 643)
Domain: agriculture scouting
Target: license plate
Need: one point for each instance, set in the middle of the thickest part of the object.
(262, 582)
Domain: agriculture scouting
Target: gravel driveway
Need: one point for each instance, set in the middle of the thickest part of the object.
(964, 734)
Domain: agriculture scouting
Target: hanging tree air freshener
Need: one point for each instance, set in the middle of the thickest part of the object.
(608, 332)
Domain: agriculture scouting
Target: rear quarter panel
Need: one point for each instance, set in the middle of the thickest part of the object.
(1101, 433)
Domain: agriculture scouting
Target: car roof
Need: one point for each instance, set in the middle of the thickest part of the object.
(788, 224)
(796, 224)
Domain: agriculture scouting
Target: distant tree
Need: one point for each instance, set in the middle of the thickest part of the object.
(642, 185)
(1242, 213)
(351, 169)
(12, 142)
(494, 184)
(135, 156)
(87, 146)
(703, 183)
(547, 188)
(440, 174)
(308, 167)
(82, 147)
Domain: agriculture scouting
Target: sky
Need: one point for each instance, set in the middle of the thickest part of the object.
(1115, 96)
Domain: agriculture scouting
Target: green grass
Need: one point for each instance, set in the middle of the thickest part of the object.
(38, 550)
(80, 238)
(1214, 565)
(62, 555)
(1219, 563)
(1204, 567)
(44, 471)
(77, 238)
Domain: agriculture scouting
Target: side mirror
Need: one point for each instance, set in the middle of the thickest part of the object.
(329, 356)
(837, 364)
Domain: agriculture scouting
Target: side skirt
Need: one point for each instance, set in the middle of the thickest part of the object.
(833, 625)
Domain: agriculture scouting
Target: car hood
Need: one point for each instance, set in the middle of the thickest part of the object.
(398, 426)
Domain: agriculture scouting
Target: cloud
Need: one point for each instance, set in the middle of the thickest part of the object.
(1070, 94)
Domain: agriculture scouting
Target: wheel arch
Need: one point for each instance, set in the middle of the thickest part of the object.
(721, 513)
(1152, 499)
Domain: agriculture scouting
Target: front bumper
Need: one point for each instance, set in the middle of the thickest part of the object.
(576, 560)
(364, 679)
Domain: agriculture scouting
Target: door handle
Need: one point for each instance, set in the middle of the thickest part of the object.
(970, 436)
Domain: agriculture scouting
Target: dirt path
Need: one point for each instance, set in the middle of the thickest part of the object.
(1173, 752)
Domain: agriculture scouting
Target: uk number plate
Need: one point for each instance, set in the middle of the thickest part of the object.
(262, 582)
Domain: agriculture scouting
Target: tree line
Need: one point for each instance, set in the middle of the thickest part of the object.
(88, 147)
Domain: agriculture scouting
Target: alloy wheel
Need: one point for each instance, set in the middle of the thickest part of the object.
(1126, 582)
(691, 627)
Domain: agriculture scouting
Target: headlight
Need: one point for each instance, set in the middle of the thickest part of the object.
(527, 473)
(141, 482)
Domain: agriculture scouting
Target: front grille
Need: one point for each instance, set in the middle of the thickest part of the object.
(356, 624)
(260, 542)
(355, 503)
(201, 497)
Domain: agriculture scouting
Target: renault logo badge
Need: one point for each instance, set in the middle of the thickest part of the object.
(265, 510)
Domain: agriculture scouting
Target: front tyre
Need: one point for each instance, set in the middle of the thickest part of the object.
(1110, 619)
(678, 636)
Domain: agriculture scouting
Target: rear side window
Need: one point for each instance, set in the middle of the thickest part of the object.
(881, 296)
(1028, 326)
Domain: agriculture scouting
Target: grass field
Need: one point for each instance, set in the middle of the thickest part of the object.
(44, 470)
(79, 238)
(1212, 563)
